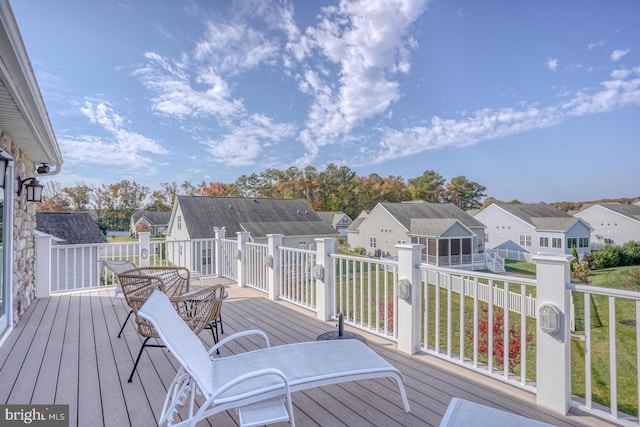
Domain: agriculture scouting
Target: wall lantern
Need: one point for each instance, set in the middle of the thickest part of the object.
(34, 189)
(403, 289)
(4, 163)
(549, 318)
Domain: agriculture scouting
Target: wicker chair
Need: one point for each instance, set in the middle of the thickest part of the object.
(196, 308)
(174, 279)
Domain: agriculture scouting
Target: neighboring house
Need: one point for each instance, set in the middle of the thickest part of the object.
(533, 228)
(196, 217)
(71, 229)
(450, 235)
(154, 222)
(28, 149)
(339, 221)
(612, 223)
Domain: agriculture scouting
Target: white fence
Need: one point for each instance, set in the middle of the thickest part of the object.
(297, 282)
(256, 268)
(365, 293)
(468, 318)
(463, 316)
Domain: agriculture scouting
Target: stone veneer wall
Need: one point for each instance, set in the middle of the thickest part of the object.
(24, 225)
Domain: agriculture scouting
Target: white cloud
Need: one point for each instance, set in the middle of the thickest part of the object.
(367, 43)
(247, 140)
(618, 54)
(552, 64)
(129, 151)
(176, 96)
(621, 91)
(595, 44)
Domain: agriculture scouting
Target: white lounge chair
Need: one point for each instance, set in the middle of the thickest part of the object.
(254, 382)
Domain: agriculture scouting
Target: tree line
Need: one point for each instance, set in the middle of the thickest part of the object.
(336, 188)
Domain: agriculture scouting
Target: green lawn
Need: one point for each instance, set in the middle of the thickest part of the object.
(625, 344)
(360, 295)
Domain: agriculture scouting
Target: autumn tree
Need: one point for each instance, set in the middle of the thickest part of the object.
(53, 198)
(428, 187)
(464, 193)
(121, 200)
(79, 196)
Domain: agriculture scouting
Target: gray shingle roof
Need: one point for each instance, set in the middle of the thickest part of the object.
(404, 212)
(72, 227)
(152, 217)
(430, 226)
(259, 216)
(632, 211)
(542, 217)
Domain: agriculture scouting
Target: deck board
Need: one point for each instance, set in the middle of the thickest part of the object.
(65, 350)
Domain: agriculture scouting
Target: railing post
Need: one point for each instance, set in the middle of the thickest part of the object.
(325, 285)
(553, 352)
(409, 310)
(219, 234)
(274, 241)
(145, 248)
(241, 258)
(43, 266)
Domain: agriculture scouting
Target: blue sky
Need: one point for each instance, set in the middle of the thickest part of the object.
(537, 101)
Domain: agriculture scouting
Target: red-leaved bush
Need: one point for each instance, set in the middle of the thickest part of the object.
(389, 312)
(498, 338)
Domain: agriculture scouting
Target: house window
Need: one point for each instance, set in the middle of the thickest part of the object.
(372, 242)
(556, 242)
(583, 242)
(206, 257)
(572, 242)
(544, 242)
(179, 222)
(486, 237)
(525, 240)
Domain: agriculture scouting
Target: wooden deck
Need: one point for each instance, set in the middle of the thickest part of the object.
(65, 351)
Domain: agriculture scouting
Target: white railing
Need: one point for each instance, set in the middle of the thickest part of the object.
(74, 267)
(482, 290)
(365, 293)
(513, 254)
(256, 269)
(228, 259)
(494, 261)
(472, 319)
(297, 282)
(197, 254)
(466, 323)
(615, 365)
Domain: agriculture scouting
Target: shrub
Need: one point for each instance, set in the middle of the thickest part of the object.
(606, 257)
(582, 271)
(575, 259)
(389, 313)
(498, 338)
(631, 253)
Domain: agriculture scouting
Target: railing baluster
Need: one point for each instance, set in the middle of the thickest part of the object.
(613, 367)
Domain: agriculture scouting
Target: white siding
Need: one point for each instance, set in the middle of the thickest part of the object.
(607, 224)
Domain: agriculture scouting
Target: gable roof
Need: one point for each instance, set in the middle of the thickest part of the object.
(541, 216)
(356, 222)
(405, 212)
(430, 226)
(332, 217)
(152, 217)
(259, 216)
(630, 211)
(73, 228)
